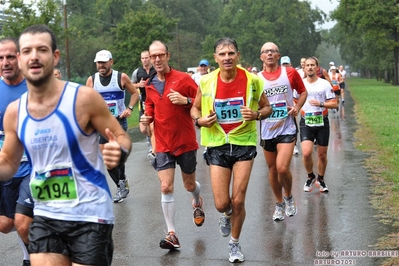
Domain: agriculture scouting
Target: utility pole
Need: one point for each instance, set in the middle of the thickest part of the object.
(68, 69)
(178, 46)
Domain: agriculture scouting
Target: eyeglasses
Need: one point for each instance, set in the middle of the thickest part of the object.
(161, 56)
(269, 51)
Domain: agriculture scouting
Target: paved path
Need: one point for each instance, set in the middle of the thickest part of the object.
(339, 221)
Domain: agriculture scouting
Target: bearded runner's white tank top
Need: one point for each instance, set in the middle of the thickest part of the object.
(68, 180)
(113, 95)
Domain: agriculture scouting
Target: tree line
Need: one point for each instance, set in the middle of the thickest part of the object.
(365, 33)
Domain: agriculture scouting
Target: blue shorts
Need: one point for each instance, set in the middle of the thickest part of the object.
(25, 200)
(187, 161)
(122, 122)
(9, 193)
(83, 242)
(228, 154)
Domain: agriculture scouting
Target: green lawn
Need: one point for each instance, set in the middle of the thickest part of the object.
(133, 120)
(377, 112)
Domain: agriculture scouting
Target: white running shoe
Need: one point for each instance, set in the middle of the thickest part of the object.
(279, 212)
(235, 254)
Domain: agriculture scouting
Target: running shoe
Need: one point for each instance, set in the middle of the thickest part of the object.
(118, 196)
(170, 241)
(290, 206)
(198, 214)
(26, 263)
(124, 188)
(321, 185)
(296, 150)
(235, 254)
(279, 212)
(225, 225)
(343, 101)
(308, 184)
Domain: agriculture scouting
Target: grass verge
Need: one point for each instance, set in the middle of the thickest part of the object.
(377, 112)
(133, 120)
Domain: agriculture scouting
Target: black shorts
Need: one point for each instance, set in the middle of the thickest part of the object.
(9, 193)
(270, 145)
(228, 154)
(337, 92)
(187, 161)
(83, 242)
(342, 85)
(122, 122)
(320, 134)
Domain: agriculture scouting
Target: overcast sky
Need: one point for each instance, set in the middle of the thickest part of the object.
(326, 6)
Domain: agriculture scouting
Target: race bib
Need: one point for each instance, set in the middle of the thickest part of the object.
(314, 119)
(280, 111)
(56, 186)
(228, 110)
(113, 107)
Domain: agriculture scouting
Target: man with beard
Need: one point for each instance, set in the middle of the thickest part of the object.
(314, 124)
(112, 85)
(56, 122)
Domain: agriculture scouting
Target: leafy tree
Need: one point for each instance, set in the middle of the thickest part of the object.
(21, 15)
(195, 20)
(136, 32)
(289, 24)
(368, 35)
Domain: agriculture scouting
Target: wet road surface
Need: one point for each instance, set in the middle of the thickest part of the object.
(341, 221)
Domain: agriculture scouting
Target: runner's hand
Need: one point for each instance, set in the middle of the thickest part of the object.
(111, 151)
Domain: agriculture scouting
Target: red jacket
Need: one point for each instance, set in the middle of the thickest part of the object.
(173, 127)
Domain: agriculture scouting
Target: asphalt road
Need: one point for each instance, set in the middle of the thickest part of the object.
(340, 225)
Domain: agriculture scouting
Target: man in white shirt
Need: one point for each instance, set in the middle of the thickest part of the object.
(203, 67)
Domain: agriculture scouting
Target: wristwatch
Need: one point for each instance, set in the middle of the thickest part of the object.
(124, 155)
(259, 116)
(130, 107)
(196, 122)
(189, 101)
(321, 104)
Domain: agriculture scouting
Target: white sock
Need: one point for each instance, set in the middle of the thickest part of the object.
(24, 249)
(196, 194)
(169, 211)
(233, 240)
